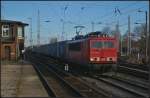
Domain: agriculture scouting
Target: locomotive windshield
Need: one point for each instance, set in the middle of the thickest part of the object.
(97, 45)
(108, 44)
(102, 44)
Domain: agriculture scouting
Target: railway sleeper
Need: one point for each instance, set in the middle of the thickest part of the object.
(135, 72)
(77, 85)
(134, 91)
(128, 81)
(59, 95)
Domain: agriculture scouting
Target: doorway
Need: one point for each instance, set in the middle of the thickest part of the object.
(7, 52)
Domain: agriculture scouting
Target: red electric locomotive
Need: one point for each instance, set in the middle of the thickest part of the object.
(94, 51)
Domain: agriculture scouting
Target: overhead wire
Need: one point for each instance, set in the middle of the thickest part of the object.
(128, 11)
(107, 15)
(121, 9)
(95, 4)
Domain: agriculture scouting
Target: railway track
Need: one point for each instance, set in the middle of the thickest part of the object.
(135, 89)
(133, 71)
(128, 81)
(135, 66)
(131, 83)
(55, 84)
(44, 82)
(78, 87)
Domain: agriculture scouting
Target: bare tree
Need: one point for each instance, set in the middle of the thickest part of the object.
(140, 32)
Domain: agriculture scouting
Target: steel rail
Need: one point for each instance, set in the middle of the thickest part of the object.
(85, 89)
(135, 72)
(136, 93)
(126, 81)
(76, 93)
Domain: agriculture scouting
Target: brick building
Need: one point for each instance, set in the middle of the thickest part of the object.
(12, 39)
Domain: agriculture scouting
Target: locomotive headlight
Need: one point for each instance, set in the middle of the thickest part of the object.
(109, 59)
(91, 59)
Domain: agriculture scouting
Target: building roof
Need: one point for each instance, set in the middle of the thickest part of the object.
(12, 22)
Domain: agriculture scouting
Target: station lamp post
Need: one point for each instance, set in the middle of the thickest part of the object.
(140, 24)
(47, 21)
(31, 40)
(63, 22)
(146, 27)
(146, 50)
(57, 39)
(39, 28)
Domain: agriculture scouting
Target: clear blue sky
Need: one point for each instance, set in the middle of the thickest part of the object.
(78, 12)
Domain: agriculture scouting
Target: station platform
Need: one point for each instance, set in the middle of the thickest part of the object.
(20, 80)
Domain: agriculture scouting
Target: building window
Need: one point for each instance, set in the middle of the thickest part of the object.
(20, 33)
(5, 30)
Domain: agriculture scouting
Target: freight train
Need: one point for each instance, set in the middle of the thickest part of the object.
(92, 51)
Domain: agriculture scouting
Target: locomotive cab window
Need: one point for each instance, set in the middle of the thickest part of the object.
(102, 44)
(97, 44)
(75, 46)
(108, 44)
